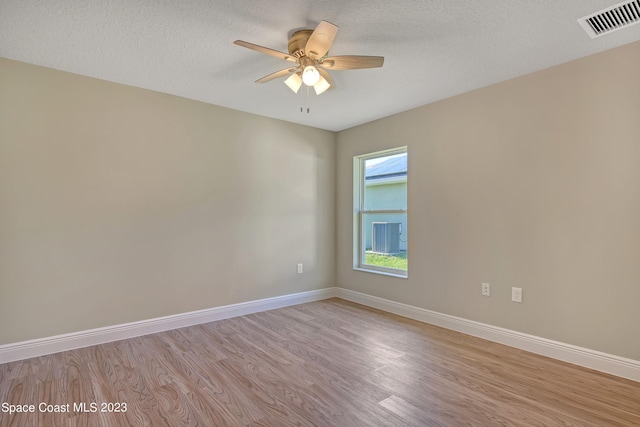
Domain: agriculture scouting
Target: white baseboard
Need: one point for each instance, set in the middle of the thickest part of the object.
(55, 344)
(611, 364)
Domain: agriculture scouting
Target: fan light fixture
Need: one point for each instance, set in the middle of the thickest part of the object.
(294, 82)
(321, 86)
(310, 75)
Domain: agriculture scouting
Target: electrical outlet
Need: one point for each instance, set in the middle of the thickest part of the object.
(300, 268)
(516, 295)
(486, 289)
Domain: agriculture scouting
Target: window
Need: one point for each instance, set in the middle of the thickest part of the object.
(380, 212)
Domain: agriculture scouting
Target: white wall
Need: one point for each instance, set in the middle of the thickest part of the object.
(534, 183)
(119, 204)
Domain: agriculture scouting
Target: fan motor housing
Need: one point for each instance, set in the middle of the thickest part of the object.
(298, 41)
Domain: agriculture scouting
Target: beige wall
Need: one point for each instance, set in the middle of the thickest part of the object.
(534, 183)
(119, 204)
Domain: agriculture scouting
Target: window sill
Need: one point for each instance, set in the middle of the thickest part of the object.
(383, 273)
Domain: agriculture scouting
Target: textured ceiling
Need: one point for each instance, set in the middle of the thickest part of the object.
(433, 49)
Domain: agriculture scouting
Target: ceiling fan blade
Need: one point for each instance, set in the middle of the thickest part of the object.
(320, 40)
(327, 77)
(266, 51)
(351, 62)
(277, 74)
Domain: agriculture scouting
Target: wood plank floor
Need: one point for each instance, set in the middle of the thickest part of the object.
(327, 363)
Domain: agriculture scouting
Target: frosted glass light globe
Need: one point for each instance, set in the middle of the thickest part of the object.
(310, 75)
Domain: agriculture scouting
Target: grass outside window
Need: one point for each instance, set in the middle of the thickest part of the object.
(397, 261)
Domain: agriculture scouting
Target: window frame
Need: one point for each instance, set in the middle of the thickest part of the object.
(359, 212)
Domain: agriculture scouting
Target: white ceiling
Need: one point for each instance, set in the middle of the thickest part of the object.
(433, 49)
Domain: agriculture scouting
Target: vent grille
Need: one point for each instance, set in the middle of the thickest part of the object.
(611, 19)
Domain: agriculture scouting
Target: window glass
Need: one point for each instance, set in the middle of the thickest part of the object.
(380, 242)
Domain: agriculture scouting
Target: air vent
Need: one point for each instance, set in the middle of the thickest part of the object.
(611, 19)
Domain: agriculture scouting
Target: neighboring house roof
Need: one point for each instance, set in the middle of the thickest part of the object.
(393, 166)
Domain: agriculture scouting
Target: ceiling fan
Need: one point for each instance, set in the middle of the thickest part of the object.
(308, 49)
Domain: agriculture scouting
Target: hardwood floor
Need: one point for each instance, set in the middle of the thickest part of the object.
(327, 363)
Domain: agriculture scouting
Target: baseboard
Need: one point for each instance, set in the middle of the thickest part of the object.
(611, 364)
(55, 344)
